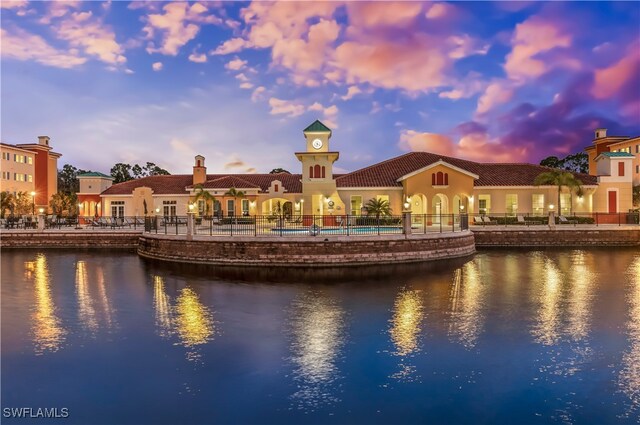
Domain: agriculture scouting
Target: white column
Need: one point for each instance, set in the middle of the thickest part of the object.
(190, 222)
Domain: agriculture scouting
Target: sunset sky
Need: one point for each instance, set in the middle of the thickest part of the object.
(237, 82)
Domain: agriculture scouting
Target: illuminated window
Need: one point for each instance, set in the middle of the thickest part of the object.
(168, 208)
(245, 207)
(356, 204)
(537, 204)
(117, 208)
(484, 204)
(511, 203)
(565, 203)
(29, 160)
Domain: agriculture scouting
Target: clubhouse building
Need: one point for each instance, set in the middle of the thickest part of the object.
(423, 182)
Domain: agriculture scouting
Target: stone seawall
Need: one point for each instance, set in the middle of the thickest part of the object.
(307, 252)
(70, 239)
(560, 237)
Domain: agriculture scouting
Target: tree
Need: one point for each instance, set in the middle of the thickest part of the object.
(64, 204)
(578, 162)
(278, 171)
(68, 179)
(636, 196)
(378, 207)
(23, 204)
(7, 202)
(560, 179)
(121, 173)
(235, 194)
(152, 169)
(205, 196)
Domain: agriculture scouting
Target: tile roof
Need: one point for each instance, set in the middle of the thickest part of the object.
(178, 183)
(386, 173)
(617, 154)
(94, 174)
(317, 126)
(227, 182)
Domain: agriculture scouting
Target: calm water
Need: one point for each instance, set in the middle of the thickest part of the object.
(524, 337)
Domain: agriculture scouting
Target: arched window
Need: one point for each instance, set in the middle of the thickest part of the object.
(198, 163)
(439, 178)
(316, 171)
(433, 179)
(311, 171)
(446, 178)
(323, 171)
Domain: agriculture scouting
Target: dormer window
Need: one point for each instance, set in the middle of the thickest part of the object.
(621, 169)
(439, 179)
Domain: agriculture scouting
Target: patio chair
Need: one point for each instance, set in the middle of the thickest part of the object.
(564, 220)
(477, 220)
(487, 220)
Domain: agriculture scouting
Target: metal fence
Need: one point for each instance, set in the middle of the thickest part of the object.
(574, 219)
(316, 225)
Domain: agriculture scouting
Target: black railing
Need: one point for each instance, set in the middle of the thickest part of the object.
(571, 219)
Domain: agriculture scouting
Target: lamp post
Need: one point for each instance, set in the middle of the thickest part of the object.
(33, 203)
(78, 217)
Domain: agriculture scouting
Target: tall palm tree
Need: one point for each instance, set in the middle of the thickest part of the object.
(235, 194)
(7, 202)
(561, 179)
(204, 195)
(378, 207)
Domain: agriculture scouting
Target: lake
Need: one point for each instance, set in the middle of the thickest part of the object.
(536, 337)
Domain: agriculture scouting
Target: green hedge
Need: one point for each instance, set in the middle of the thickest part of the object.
(237, 220)
(382, 221)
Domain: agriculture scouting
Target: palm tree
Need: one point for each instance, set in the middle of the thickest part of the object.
(204, 195)
(378, 207)
(7, 202)
(560, 179)
(235, 194)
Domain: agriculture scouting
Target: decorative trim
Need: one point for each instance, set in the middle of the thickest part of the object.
(439, 162)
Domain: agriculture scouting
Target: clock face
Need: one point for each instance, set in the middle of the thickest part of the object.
(317, 144)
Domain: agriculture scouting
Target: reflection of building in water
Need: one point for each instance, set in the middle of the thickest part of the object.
(107, 309)
(194, 323)
(189, 319)
(317, 333)
(162, 307)
(466, 302)
(86, 312)
(547, 327)
(406, 325)
(580, 297)
(48, 334)
(629, 379)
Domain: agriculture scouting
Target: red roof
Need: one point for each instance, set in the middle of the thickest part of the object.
(180, 183)
(387, 173)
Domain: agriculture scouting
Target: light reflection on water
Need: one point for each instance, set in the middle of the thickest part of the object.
(466, 301)
(406, 326)
(189, 318)
(317, 333)
(48, 333)
(573, 334)
(629, 377)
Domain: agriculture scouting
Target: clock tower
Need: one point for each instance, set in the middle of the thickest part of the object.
(319, 194)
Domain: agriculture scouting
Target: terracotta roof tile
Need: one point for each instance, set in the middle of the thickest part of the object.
(178, 183)
(386, 173)
(227, 182)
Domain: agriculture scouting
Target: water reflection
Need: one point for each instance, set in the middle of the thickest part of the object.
(317, 336)
(405, 330)
(547, 320)
(48, 333)
(629, 378)
(189, 318)
(194, 323)
(107, 308)
(466, 300)
(580, 298)
(86, 312)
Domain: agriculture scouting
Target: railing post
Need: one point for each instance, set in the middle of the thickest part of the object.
(440, 220)
(41, 222)
(347, 224)
(619, 221)
(406, 222)
(211, 227)
(453, 223)
(552, 219)
(255, 225)
(190, 226)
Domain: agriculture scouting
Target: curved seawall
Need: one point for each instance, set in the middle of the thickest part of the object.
(307, 252)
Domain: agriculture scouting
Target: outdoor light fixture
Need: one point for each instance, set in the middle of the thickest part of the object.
(41, 210)
(190, 207)
(33, 203)
(461, 207)
(551, 206)
(158, 210)
(471, 198)
(407, 205)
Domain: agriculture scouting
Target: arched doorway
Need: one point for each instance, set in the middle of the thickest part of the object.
(277, 206)
(418, 208)
(439, 206)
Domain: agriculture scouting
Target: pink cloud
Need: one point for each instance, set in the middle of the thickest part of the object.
(496, 94)
(373, 14)
(179, 24)
(475, 146)
(230, 46)
(235, 64)
(285, 107)
(609, 81)
(19, 44)
(531, 38)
